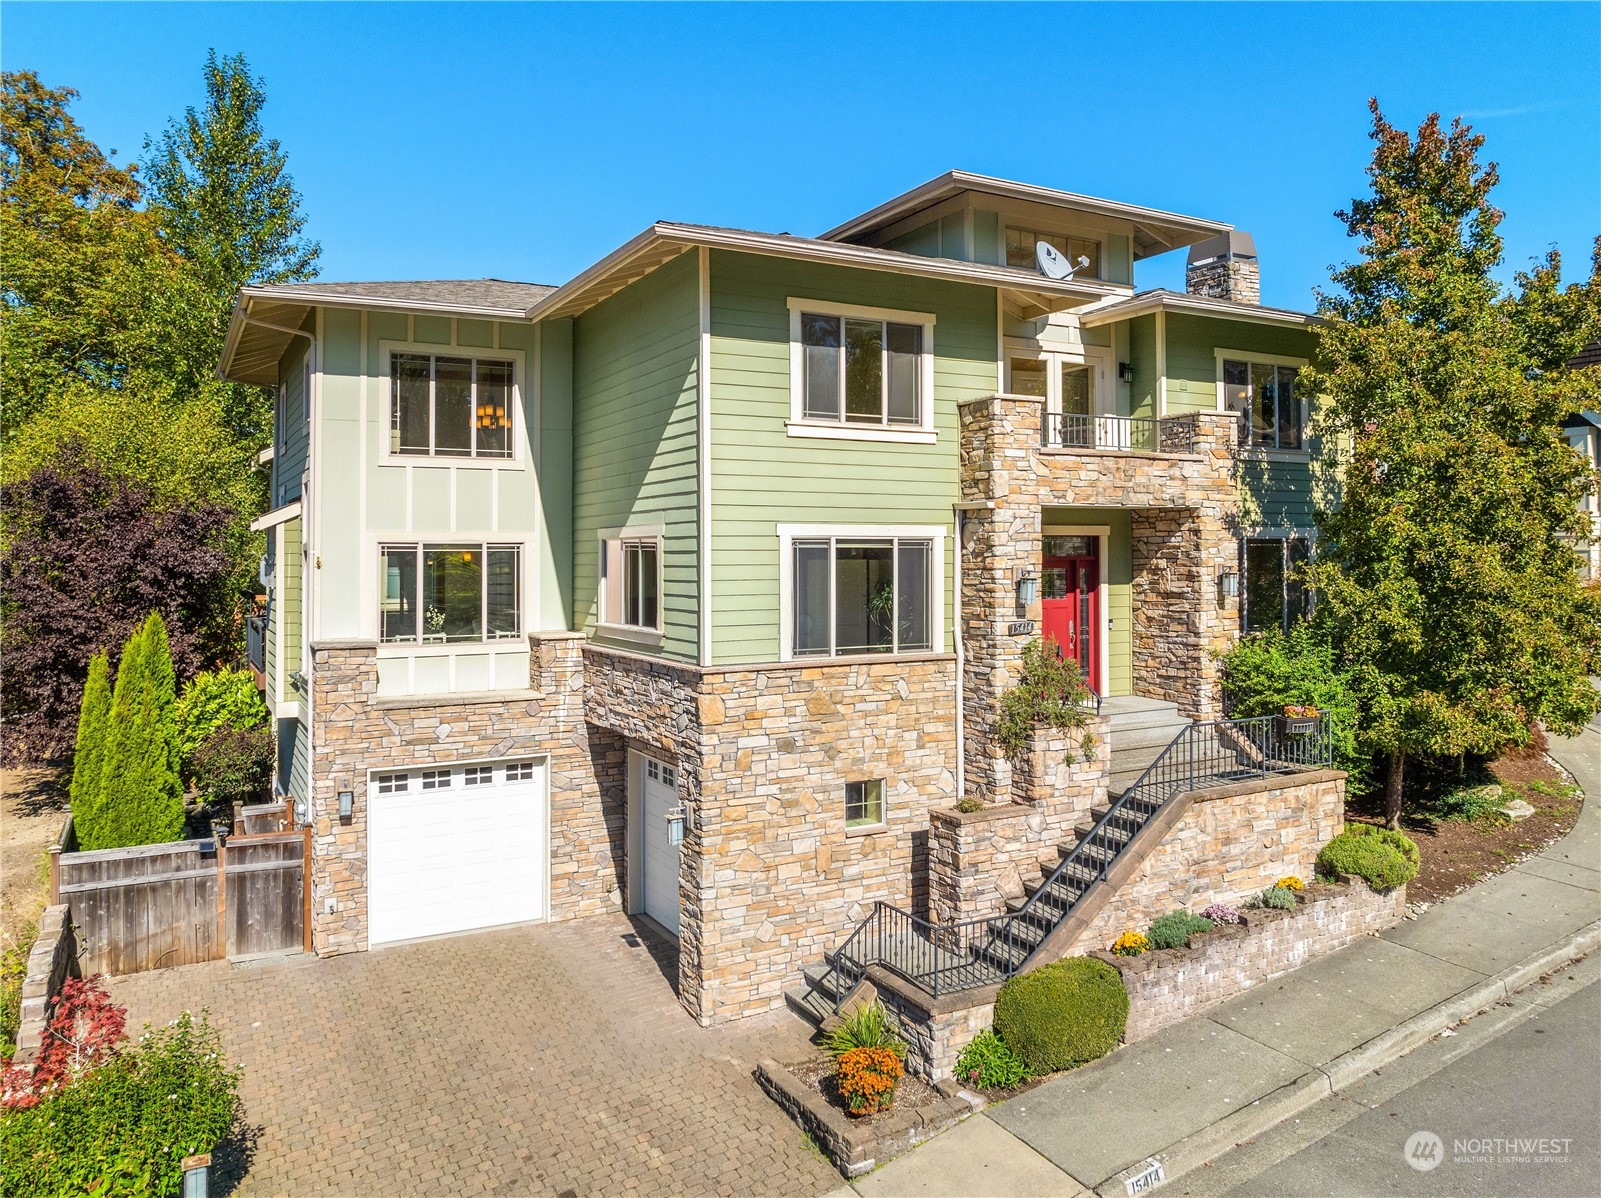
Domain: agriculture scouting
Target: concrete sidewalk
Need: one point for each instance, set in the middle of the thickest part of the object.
(1188, 1093)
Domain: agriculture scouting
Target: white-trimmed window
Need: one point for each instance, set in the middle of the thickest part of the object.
(1273, 595)
(631, 583)
(1267, 400)
(434, 594)
(1023, 244)
(860, 372)
(852, 591)
(864, 803)
(455, 404)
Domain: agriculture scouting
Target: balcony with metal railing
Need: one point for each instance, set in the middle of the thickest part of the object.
(1130, 434)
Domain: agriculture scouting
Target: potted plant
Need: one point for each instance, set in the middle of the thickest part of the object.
(1299, 719)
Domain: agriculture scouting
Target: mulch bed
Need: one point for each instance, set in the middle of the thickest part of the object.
(1458, 855)
(817, 1074)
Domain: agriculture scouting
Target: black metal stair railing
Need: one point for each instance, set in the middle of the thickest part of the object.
(946, 957)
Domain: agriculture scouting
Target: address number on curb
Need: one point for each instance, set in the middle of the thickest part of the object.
(1146, 1180)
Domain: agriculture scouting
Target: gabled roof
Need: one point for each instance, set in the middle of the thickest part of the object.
(665, 240)
(267, 317)
(1155, 231)
(1195, 305)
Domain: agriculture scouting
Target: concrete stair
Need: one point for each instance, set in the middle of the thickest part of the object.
(1140, 729)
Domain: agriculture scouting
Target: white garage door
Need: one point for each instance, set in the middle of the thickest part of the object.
(455, 848)
(661, 854)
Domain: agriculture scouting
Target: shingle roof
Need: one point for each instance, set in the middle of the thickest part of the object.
(1590, 355)
(479, 293)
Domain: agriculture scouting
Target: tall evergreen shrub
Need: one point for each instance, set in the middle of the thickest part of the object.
(141, 798)
(89, 756)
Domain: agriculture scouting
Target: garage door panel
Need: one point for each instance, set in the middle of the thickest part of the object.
(455, 859)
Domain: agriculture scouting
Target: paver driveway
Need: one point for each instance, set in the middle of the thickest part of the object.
(540, 1060)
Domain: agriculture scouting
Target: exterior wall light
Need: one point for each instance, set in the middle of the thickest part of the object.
(1125, 372)
(675, 824)
(347, 804)
(196, 1175)
(301, 812)
(1228, 584)
(1028, 587)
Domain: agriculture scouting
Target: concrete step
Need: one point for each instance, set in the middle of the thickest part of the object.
(1149, 737)
(1125, 712)
(822, 979)
(809, 1004)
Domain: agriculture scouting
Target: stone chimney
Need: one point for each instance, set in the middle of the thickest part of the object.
(1225, 267)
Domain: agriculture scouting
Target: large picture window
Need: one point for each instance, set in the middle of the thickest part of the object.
(861, 371)
(631, 583)
(862, 595)
(1274, 595)
(1264, 396)
(449, 594)
(446, 405)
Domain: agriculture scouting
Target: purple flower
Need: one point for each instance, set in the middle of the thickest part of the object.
(1221, 913)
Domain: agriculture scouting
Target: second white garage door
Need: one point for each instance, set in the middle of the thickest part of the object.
(455, 848)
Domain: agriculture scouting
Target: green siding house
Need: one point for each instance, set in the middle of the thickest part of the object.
(687, 589)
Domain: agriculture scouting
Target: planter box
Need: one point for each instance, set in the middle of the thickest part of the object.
(1295, 725)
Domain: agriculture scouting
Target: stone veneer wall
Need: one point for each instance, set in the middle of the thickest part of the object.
(1228, 844)
(354, 731)
(979, 859)
(771, 879)
(1185, 509)
(52, 960)
(1168, 986)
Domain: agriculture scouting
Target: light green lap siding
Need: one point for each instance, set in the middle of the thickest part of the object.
(270, 647)
(987, 237)
(289, 599)
(294, 759)
(635, 361)
(762, 477)
(289, 459)
(555, 452)
(1142, 356)
(1118, 570)
(1277, 494)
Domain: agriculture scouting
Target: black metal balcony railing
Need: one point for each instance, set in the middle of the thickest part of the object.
(256, 642)
(1135, 434)
(941, 958)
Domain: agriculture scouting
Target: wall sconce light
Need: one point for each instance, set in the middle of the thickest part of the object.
(301, 811)
(1028, 587)
(1125, 372)
(675, 824)
(196, 1175)
(1228, 584)
(347, 804)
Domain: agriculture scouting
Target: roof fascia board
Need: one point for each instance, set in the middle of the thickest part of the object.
(954, 181)
(333, 299)
(1142, 305)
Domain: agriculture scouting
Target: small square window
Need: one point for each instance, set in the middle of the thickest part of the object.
(436, 779)
(864, 803)
(478, 775)
(520, 771)
(389, 784)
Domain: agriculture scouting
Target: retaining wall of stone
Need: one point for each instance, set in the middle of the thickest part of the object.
(52, 960)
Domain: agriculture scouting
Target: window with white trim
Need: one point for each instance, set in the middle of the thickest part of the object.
(864, 803)
(390, 784)
(631, 583)
(1274, 596)
(451, 405)
(861, 595)
(449, 594)
(478, 775)
(520, 771)
(861, 370)
(1264, 396)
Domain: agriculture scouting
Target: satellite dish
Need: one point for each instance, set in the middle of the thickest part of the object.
(1052, 262)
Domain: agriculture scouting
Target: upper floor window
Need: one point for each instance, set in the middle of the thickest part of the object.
(1264, 395)
(861, 371)
(1021, 250)
(630, 583)
(862, 595)
(449, 405)
(449, 594)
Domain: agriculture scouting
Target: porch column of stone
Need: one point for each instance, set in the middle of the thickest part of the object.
(1000, 438)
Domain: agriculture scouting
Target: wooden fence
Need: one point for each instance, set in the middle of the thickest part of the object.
(160, 905)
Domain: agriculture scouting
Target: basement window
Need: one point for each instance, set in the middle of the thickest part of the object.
(864, 803)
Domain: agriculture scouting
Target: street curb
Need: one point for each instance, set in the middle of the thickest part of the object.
(1316, 1084)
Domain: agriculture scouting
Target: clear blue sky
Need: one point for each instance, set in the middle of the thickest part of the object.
(525, 141)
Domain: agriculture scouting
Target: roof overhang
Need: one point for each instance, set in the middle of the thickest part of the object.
(1155, 231)
(266, 319)
(664, 241)
(1195, 305)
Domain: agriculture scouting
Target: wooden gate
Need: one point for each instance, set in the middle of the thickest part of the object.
(159, 905)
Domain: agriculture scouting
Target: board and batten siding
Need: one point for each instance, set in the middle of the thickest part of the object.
(762, 477)
(635, 387)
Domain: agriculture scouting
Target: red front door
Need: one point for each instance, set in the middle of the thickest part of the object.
(1070, 601)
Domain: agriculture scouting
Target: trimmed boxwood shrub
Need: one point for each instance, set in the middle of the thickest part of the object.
(1174, 929)
(1382, 858)
(1062, 1014)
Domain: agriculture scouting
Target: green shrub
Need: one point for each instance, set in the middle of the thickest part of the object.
(140, 799)
(234, 763)
(1384, 859)
(213, 700)
(969, 805)
(1473, 805)
(131, 1121)
(866, 1027)
(1062, 1014)
(1267, 671)
(1049, 693)
(988, 1064)
(1174, 929)
(1276, 898)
